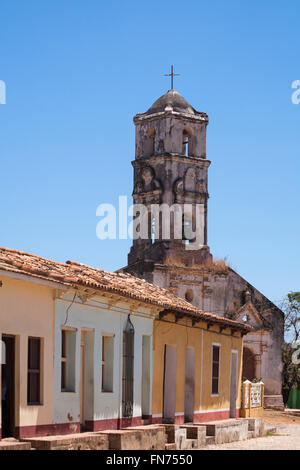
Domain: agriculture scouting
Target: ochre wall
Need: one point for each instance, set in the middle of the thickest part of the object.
(27, 310)
(201, 339)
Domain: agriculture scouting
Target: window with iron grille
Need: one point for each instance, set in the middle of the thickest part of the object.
(215, 369)
(34, 371)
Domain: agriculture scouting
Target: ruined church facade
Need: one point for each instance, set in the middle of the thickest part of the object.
(171, 168)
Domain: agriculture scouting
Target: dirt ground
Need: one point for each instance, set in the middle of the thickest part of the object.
(273, 418)
(286, 436)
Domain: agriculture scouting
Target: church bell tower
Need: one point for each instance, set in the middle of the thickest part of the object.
(170, 168)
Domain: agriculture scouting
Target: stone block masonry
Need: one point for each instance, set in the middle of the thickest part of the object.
(83, 441)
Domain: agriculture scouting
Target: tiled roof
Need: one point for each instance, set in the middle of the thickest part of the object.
(75, 274)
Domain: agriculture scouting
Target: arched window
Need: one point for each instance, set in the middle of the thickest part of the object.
(153, 144)
(150, 142)
(186, 143)
(187, 228)
(189, 295)
(153, 229)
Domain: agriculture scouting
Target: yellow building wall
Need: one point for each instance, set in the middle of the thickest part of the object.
(227, 344)
(183, 335)
(26, 309)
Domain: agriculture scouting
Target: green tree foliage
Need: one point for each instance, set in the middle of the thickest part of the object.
(291, 308)
(290, 373)
(291, 370)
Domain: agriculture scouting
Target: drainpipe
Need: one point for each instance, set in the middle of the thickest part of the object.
(201, 376)
(120, 378)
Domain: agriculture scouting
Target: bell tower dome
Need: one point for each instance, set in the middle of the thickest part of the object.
(171, 126)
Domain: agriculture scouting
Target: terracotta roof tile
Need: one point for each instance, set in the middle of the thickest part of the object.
(75, 274)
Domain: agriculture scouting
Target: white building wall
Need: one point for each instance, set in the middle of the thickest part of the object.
(95, 315)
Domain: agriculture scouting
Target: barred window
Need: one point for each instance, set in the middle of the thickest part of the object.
(128, 369)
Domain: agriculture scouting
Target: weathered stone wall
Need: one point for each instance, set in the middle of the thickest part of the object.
(168, 135)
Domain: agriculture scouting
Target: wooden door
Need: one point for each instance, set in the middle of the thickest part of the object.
(233, 383)
(146, 394)
(189, 385)
(169, 383)
(82, 380)
(8, 387)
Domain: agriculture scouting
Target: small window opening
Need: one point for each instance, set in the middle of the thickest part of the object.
(68, 352)
(107, 363)
(151, 143)
(34, 371)
(186, 141)
(215, 369)
(189, 295)
(153, 229)
(187, 229)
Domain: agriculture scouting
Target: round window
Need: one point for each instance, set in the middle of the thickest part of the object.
(189, 295)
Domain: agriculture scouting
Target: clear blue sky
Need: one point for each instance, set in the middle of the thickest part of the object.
(77, 72)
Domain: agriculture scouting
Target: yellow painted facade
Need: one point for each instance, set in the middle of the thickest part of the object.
(184, 335)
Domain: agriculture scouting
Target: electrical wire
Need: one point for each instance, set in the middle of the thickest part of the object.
(67, 311)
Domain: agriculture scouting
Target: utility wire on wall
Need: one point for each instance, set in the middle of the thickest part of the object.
(68, 308)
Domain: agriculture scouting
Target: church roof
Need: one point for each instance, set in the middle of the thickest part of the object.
(75, 275)
(172, 101)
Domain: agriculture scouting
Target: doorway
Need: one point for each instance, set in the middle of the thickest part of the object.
(189, 385)
(146, 408)
(249, 367)
(128, 370)
(233, 383)
(169, 384)
(82, 381)
(86, 377)
(8, 387)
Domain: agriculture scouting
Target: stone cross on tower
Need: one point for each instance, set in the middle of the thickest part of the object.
(172, 75)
